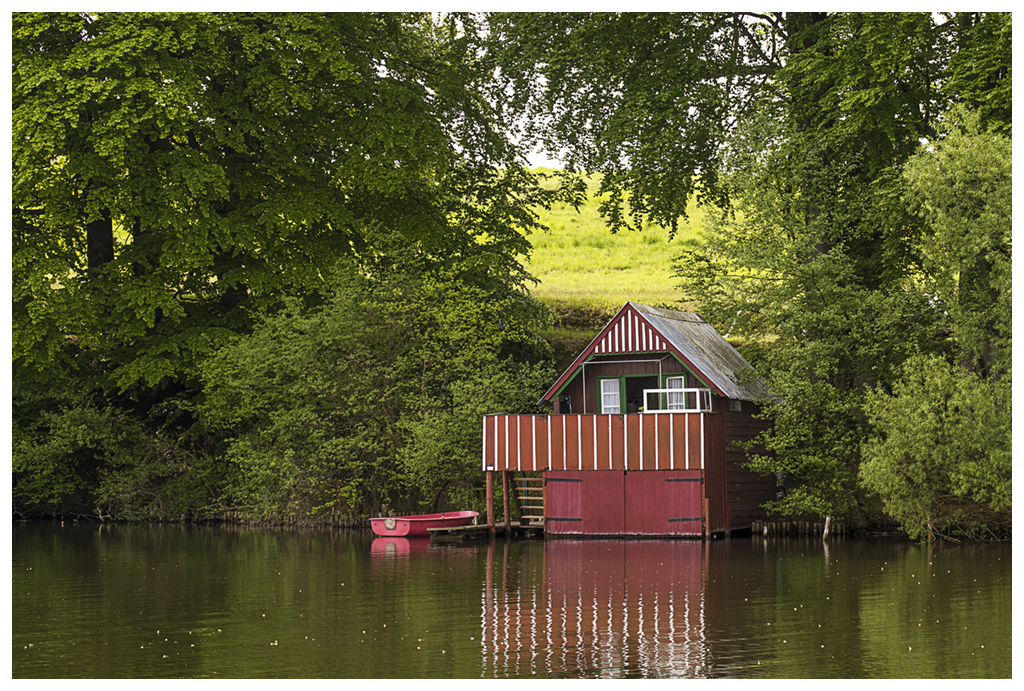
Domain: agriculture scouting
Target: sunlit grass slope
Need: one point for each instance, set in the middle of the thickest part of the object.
(580, 263)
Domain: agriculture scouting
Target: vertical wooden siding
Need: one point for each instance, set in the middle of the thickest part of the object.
(583, 503)
(631, 334)
(663, 502)
(717, 509)
(746, 492)
(655, 441)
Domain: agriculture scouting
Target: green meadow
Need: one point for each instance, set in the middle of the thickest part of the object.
(586, 272)
(580, 263)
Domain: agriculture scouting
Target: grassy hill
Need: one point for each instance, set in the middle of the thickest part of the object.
(580, 262)
(587, 273)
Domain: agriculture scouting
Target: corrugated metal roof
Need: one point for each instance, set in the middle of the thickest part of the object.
(707, 349)
(639, 328)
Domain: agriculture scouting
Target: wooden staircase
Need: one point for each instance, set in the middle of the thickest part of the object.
(530, 495)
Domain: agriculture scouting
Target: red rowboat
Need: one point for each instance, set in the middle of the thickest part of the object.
(416, 526)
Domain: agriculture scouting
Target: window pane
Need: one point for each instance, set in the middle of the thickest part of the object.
(676, 401)
(609, 395)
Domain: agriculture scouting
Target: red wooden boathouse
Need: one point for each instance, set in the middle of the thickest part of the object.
(640, 441)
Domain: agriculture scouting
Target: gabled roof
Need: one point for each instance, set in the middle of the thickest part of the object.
(640, 328)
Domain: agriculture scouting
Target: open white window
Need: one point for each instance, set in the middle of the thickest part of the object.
(610, 396)
(676, 401)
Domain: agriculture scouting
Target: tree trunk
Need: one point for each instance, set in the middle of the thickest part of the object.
(99, 240)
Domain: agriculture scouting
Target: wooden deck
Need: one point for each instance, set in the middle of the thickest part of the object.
(463, 533)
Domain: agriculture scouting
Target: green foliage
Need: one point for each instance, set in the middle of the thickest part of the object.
(981, 66)
(823, 267)
(809, 269)
(940, 455)
(53, 446)
(830, 346)
(373, 401)
(74, 456)
(863, 82)
(654, 101)
(176, 174)
(940, 458)
(50, 462)
(185, 185)
(178, 177)
(797, 126)
(962, 184)
(441, 454)
(644, 99)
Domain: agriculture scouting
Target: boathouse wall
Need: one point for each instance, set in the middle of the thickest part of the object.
(746, 492)
(731, 497)
(649, 503)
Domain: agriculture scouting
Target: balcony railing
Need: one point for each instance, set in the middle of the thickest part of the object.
(633, 441)
(677, 400)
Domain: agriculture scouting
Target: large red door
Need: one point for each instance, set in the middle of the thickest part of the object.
(612, 502)
(563, 502)
(583, 502)
(663, 502)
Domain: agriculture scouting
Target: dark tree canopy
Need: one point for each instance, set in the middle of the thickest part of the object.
(654, 100)
(175, 174)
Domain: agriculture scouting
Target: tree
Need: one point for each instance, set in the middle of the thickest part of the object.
(961, 183)
(940, 454)
(644, 99)
(818, 324)
(176, 177)
(176, 174)
(940, 458)
(981, 66)
(653, 101)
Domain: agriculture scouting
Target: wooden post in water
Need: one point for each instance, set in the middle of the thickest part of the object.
(515, 496)
(504, 501)
(490, 502)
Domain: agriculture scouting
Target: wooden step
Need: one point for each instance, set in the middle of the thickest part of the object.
(530, 495)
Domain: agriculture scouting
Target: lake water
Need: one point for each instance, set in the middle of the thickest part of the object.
(114, 601)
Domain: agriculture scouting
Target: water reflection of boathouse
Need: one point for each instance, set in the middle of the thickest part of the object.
(596, 607)
(642, 439)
